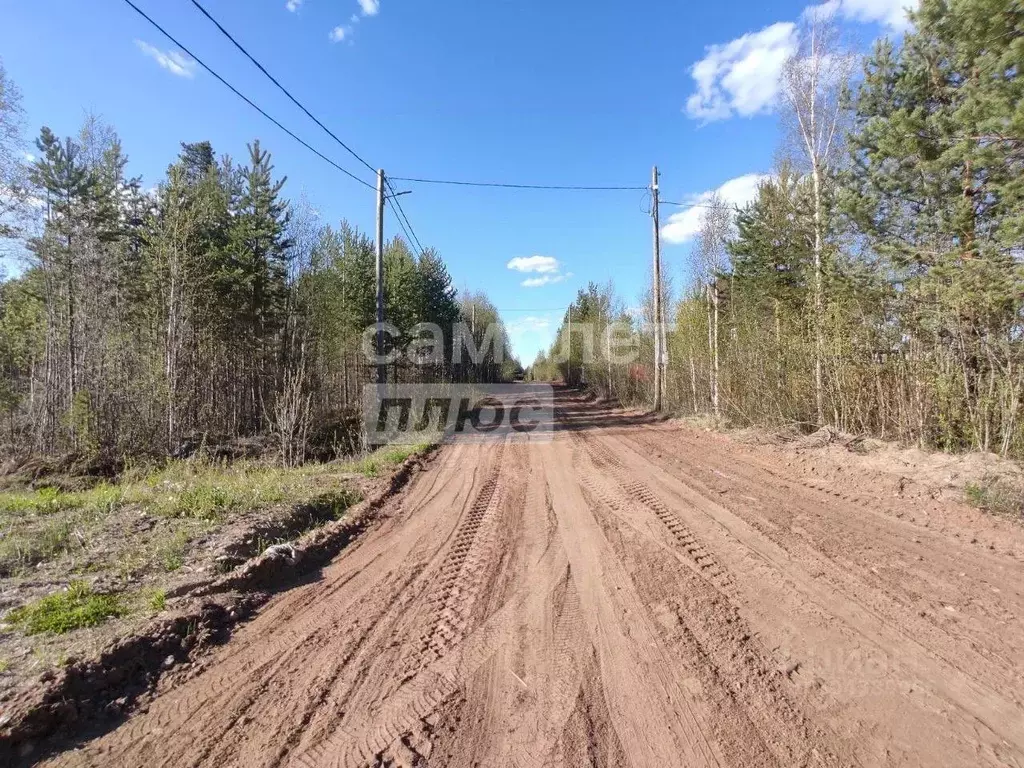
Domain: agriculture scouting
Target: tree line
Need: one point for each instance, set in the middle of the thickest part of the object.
(874, 284)
(206, 308)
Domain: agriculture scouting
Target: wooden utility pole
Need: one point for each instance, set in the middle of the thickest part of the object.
(568, 362)
(658, 384)
(382, 369)
(608, 352)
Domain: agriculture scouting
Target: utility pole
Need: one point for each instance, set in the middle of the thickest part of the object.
(608, 352)
(568, 353)
(382, 369)
(657, 291)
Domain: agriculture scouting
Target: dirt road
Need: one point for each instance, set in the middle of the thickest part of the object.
(630, 594)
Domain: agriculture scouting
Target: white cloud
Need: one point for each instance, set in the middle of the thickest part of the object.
(685, 224)
(534, 264)
(340, 33)
(537, 282)
(741, 77)
(29, 157)
(891, 13)
(344, 31)
(175, 62)
(293, 5)
(548, 269)
(370, 7)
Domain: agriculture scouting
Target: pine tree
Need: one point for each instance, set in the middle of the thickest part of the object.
(254, 277)
(936, 187)
(66, 184)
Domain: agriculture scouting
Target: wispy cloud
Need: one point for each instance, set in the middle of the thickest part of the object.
(175, 62)
(345, 31)
(537, 282)
(890, 13)
(684, 225)
(293, 5)
(370, 7)
(741, 77)
(534, 264)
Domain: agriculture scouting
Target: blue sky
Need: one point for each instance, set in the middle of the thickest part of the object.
(529, 92)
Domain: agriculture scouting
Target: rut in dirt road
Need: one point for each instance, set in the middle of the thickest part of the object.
(632, 593)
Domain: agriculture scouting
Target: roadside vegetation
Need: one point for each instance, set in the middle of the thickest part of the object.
(176, 503)
(201, 310)
(874, 284)
(107, 557)
(74, 608)
(997, 495)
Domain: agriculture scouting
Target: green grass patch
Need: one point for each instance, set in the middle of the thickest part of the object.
(383, 459)
(74, 608)
(337, 502)
(24, 548)
(171, 551)
(211, 491)
(157, 600)
(47, 501)
(997, 496)
(49, 524)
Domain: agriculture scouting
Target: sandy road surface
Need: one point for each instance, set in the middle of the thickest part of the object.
(630, 594)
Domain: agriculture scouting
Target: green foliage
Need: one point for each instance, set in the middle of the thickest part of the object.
(171, 551)
(203, 502)
(157, 600)
(146, 321)
(771, 255)
(996, 495)
(97, 500)
(74, 608)
(482, 333)
(20, 549)
(338, 502)
(383, 459)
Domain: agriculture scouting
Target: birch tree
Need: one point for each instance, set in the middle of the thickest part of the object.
(13, 193)
(814, 80)
(711, 262)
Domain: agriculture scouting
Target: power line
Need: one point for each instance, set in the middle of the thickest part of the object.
(283, 90)
(245, 98)
(403, 219)
(405, 224)
(329, 132)
(699, 205)
(559, 187)
(397, 205)
(400, 222)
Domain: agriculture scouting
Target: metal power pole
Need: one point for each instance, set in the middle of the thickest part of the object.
(658, 384)
(382, 369)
